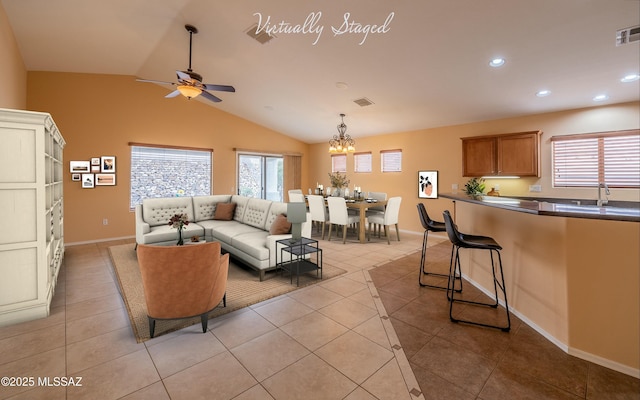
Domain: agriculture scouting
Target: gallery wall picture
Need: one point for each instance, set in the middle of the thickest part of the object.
(79, 166)
(87, 181)
(428, 184)
(108, 164)
(105, 179)
(75, 177)
(95, 161)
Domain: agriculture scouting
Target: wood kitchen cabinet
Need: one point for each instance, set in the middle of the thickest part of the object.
(512, 154)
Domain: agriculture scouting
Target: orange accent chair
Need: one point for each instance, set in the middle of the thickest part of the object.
(183, 281)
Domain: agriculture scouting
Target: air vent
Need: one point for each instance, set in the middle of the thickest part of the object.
(363, 102)
(627, 35)
(262, 36)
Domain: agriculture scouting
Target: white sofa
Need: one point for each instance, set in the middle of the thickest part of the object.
(246, 236)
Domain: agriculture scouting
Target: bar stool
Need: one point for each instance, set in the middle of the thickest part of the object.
(465, 241)
(430, 225)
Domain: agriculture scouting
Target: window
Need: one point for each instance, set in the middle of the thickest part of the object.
(362, 162)
(161, 171)
(339, 163)
(391, 160)
(587, 159)
(260, 176)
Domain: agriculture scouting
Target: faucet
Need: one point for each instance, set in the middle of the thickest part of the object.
(602, 201)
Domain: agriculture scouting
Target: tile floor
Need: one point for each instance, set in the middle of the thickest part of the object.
(462, 361)
(333, 340)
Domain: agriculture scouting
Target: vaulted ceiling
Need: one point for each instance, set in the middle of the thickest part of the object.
(424, 63)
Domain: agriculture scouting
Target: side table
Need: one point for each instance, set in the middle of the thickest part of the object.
(300, 252)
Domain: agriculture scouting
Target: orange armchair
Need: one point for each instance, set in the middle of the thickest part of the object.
(183, 281)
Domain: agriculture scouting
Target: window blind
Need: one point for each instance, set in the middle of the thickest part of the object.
(586, 160)
(339, 163)
(362, 162)
(391, 160)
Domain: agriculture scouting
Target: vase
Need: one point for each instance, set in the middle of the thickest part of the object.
(180, 241)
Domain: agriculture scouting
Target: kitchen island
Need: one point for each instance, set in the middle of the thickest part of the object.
(571, 273)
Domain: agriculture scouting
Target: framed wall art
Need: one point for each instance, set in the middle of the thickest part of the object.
(108, 164)
(75, 177)
(105, 179)
(95, 161)
(79, 166)
(87, 181)
(428, 184)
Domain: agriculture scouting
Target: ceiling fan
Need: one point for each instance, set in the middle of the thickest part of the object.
(189, 82)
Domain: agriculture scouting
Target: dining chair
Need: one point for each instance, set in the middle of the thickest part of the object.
(389, 217)
(318, 210)
(338, 215)
(376, 210)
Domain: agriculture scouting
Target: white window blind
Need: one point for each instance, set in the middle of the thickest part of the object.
(339, 163)
(585, 160)
(362, 162)
(391, 160)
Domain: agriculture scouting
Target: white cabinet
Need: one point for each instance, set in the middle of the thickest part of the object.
(32, 214)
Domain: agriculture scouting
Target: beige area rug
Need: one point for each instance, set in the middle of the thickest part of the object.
(243, 289)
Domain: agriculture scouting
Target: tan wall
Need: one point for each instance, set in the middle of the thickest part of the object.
(99, 115)
(13, 75)
(441, 149)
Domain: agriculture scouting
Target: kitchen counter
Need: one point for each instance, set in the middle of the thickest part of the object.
(617, 211)
(569, 270)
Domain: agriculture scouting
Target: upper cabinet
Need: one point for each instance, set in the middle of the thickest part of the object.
(513, 154)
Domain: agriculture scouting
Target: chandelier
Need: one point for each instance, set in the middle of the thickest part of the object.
(342, 143)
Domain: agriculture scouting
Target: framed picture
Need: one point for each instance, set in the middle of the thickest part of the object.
(95, 161)
(96, 168)
(428, 184)
(108, 163)
(78, 166)
(105, 179)
(75, 177)
(87, 181)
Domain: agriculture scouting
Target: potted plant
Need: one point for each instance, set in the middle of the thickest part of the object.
(338, 181)
(474, 187)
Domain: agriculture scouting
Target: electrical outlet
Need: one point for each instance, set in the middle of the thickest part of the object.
(105, 222)
(454, 186)
(535, 188)
(496, 188)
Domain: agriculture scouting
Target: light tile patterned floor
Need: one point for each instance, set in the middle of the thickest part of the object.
(325, 341)
(333, 340)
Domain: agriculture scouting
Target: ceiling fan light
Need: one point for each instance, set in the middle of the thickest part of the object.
(189, 91)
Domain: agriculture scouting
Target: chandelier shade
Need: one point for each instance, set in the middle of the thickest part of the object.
(189, 91)
(342, 142)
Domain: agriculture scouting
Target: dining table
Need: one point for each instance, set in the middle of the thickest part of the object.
(362, 206)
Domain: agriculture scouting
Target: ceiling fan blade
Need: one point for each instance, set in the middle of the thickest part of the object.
(152, 81)
(220, 88)
(173, 94)
(209, 96)
(182, 76)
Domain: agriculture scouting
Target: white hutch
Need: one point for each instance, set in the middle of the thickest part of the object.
(32, 218)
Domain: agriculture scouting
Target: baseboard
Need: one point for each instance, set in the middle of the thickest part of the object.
(99, 241)
(583, 355)
(624, 369)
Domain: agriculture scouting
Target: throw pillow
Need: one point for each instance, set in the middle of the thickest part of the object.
(280, 225)
(224, 211)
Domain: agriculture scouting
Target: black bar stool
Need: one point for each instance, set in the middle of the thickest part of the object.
(465, 241)
(430, 225)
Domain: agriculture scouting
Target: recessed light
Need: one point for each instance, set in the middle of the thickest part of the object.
(497, 62)
(630, 78)
(543, 93)
(600, 97)
(341, 85)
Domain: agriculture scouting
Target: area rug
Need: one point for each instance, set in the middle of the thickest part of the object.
(243, 289)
